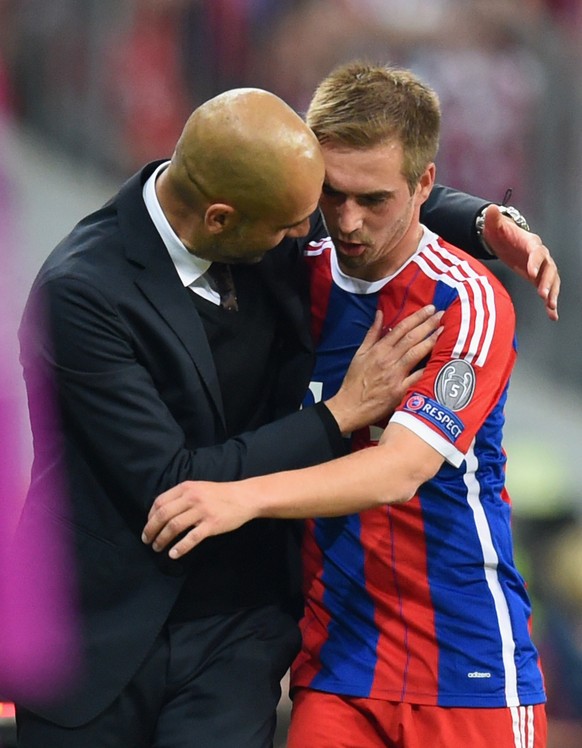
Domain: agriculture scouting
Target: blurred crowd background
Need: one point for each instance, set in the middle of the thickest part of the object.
(92, 89)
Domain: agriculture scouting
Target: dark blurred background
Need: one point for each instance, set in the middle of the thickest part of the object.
(91, 89)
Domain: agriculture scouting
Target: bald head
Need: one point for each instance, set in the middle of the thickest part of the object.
(249, 149)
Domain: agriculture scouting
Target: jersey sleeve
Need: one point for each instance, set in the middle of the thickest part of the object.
(467, 372)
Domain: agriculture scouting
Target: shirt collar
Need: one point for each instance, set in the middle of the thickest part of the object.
(188, 266)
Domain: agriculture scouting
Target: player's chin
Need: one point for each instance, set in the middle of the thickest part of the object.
(352, 261)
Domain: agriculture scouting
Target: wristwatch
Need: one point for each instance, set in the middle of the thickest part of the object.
(506, 210)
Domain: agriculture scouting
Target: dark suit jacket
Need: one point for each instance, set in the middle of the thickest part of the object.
(110, 339)
(110, 333)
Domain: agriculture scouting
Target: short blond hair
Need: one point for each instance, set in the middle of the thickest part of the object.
(362, 105)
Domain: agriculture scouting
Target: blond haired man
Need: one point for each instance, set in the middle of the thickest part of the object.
(416, 625)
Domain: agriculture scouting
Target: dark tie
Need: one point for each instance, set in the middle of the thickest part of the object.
(222, 277)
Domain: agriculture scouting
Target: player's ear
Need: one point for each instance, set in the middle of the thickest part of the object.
(426, 182)
(220, 217)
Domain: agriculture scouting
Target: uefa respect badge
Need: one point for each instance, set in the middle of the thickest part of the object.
(430, 410)
(454, 388)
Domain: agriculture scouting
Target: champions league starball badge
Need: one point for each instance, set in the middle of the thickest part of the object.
(455, 384)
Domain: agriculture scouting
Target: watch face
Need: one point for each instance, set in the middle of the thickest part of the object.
(507, 210)
(515, 216)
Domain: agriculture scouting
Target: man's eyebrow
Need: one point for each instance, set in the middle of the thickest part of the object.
(327, 187)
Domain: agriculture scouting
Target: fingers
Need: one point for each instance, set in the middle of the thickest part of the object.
(548, 284)
(171, 514)
(404, 335)
(412, 379)
(171, 520)
(373, 384)
(188, 542)
(414, 337)
(374, 333)
(420, 330)
(194, 510)
(418, 352)
(552, 299)
(543, 272)
(417, 324)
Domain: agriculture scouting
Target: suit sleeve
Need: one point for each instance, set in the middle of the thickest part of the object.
(116, 425)
(451, 214)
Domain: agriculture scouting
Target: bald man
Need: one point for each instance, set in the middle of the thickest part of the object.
(246, 170)
(166, 339)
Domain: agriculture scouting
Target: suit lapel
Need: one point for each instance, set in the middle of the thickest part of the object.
(156, 277)
(173, 305)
